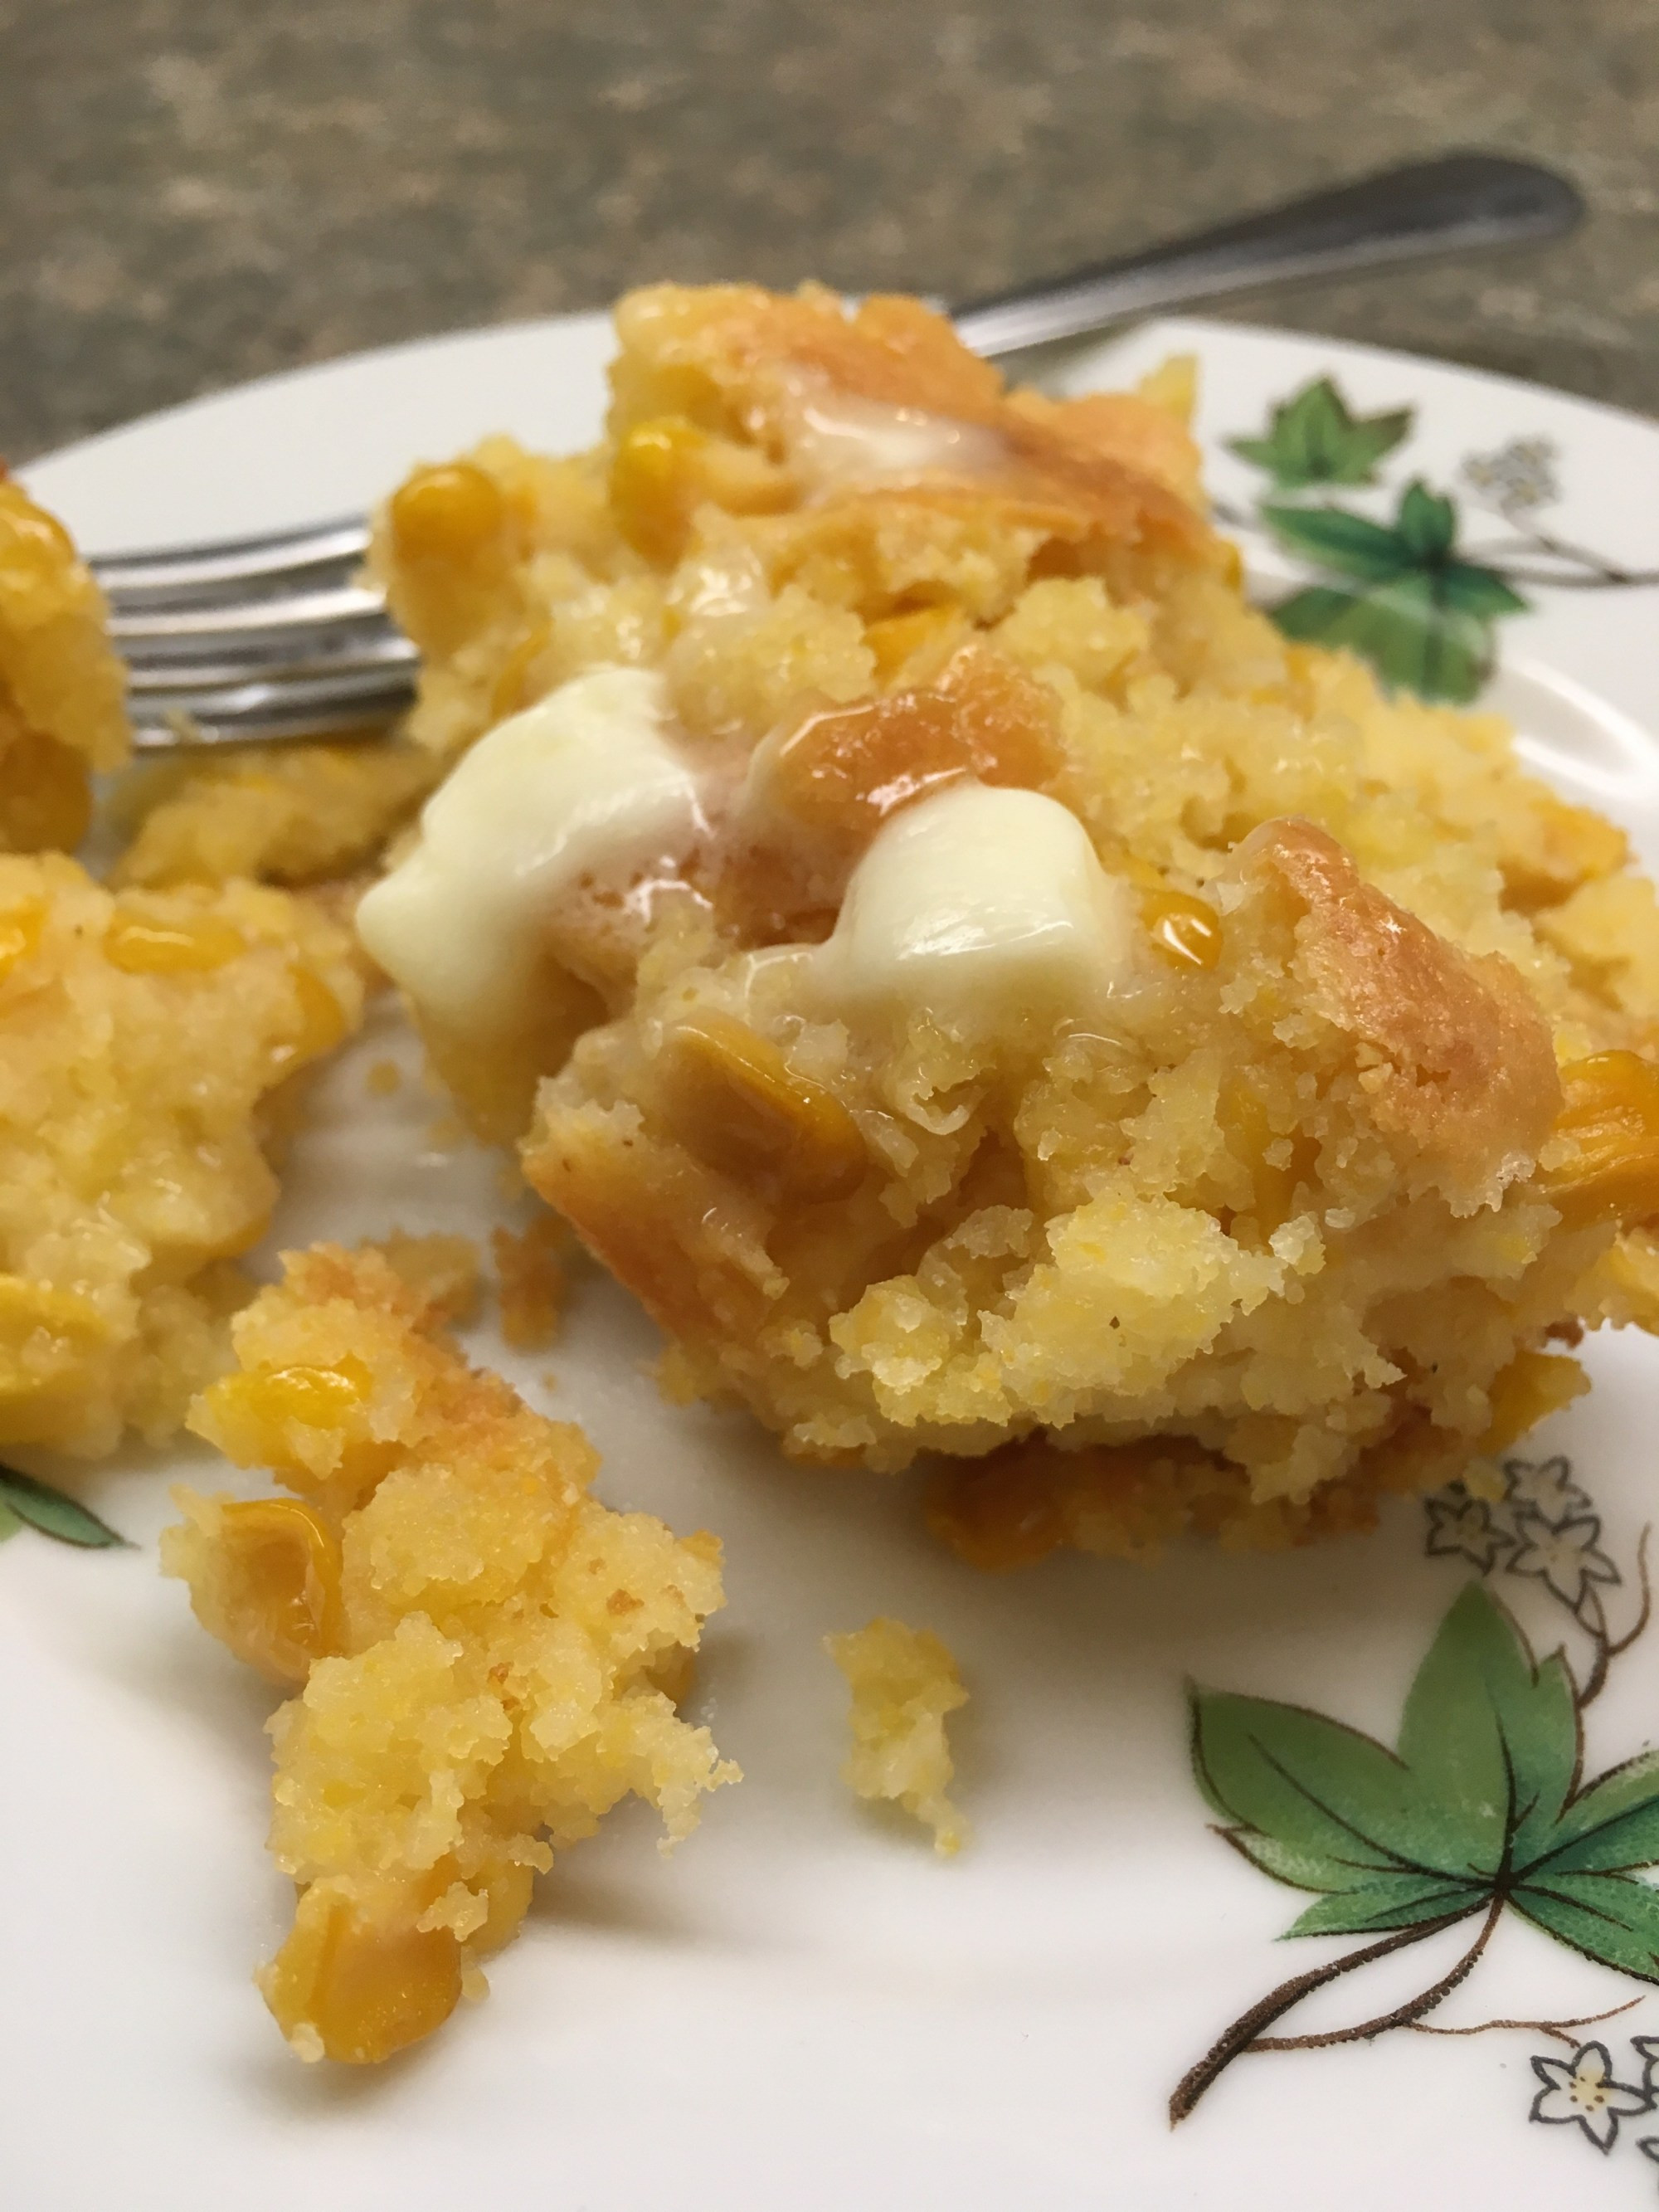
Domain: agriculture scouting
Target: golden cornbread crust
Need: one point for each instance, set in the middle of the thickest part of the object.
(1375, 1119)
(62, 687)
(146, 1043)
(487, 1659)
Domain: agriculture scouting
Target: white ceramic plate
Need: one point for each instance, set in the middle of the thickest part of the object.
(802, 2008)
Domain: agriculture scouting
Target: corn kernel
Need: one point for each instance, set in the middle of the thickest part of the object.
(894, 638)
(21, 927)
(739, 1106)
(447, 513)
(1604, 1150)
(1534, 1384)
(508, 694)
(656, 484)
(281, 1581)
(316, 1397)
(32, 1312)
(1250, 1136)
(356, 1985)
(322, 1022)
(142, 946)
(1184, 930)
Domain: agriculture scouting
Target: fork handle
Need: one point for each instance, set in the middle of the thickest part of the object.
(1457, 202)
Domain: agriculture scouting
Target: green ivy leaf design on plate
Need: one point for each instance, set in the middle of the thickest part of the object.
(1419, 615)
(1478, 1809)
(24, 1500)
(1312, 439)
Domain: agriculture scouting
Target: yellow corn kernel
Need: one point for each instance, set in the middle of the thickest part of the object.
(893, 638)
(357, 1980)
(447, 513)
(45, 796)
(656, 484)
(316, 1397)
(322, 1022)
(279, 1586)
(1250, 1136)
(1184, 930)
(143, 945)
(738, 1104)
(21, 930)
(508, 696)
(1534, 1383)
(39, 1318)
(1604, 1150)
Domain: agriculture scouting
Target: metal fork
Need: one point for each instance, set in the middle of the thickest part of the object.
(260, 640)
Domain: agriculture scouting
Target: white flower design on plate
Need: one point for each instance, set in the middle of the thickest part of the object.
(1517, 477)
(1565, 1557)
(1461, 1527)
(1545, 1487)
(1582, 2089)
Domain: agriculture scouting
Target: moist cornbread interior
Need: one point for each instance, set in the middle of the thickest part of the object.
(149, 1047)
(1295, 1216)
(484, 1660)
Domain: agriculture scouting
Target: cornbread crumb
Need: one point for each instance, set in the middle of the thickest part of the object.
(480, 1648)
(147, 1042)
(62, 687)
(904, 1681)
(299, 814)
(530, 1269)
(445, 1272)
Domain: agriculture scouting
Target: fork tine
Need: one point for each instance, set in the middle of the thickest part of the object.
(271, 623)
(364, 707)
(258, 702)
(231, 564)
(390, 653)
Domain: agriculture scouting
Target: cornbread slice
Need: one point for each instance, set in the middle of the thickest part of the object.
(62, 687)
(904, 1681)
(985, 990)
(486, 1658)
(146, 1043)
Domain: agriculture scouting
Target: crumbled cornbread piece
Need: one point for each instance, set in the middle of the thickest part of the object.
(62, 687)
(294, 814)
(144, 1042)
(529, 1268)
(487, 1658)
(444, 1272)
(1028, 997)
(904, 1682)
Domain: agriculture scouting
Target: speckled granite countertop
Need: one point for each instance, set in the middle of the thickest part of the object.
(194, 191)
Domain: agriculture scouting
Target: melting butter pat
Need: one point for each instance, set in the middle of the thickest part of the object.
(987, 907)
(837, 441)
(584, 785)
